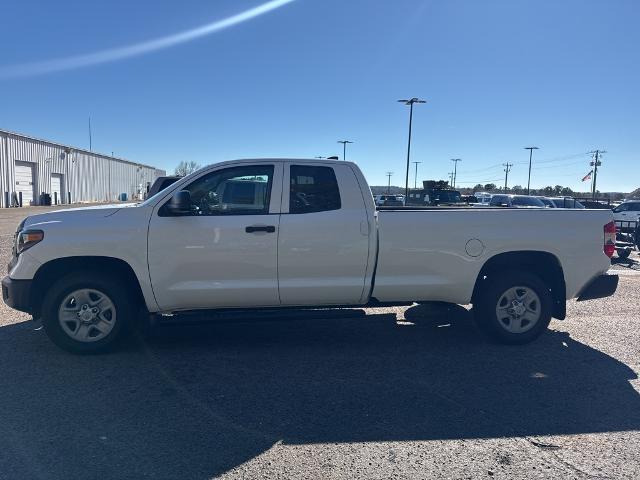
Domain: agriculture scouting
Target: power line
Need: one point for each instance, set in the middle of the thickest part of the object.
(481, 181)
(595, 164)
(455, 170)
(415, 178)
(507, 168)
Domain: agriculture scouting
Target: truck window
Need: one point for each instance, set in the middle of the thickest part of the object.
(498, 200)
(313, 189)
(233, 191)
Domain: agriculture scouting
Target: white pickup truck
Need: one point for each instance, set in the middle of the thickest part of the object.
(280, 233)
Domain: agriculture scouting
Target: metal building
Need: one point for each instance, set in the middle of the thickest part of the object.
(30, 167)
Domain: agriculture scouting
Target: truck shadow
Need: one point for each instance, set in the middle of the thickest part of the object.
(194, 402)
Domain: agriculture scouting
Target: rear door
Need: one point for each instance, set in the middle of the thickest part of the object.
(323, 243)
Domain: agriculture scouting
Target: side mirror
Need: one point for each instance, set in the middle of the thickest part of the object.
(180, 203)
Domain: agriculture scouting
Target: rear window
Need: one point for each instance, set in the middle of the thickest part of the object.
(453, 197)
(566, 203)
(313, 189)
(527, 202)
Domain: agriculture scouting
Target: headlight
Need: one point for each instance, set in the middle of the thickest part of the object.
(27, 239)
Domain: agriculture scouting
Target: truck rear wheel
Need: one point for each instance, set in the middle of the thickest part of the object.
(514, 308)
(84, 313)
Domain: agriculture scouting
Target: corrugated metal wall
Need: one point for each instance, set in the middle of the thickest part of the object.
(87, 176)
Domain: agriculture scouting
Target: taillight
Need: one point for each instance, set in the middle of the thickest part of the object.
(609, 246)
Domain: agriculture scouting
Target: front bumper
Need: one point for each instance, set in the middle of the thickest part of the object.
(17, 293)
(599, 287)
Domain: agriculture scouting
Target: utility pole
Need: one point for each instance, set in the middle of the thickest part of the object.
(507, 168)
(595, 164)
(344, 148)
(451, 176)
(531, 149)
(409, 102)
(415, 178)
(90, 135)
(389, 182)
(455, 171)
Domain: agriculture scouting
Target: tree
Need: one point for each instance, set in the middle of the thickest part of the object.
(185, 168)
(635, 193)
(479, 187)
(557, 189)
(617, 196)
(490, 186)
(517, 189)
(548, 191)
(566, 192)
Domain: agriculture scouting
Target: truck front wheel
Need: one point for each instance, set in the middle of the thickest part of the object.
(514, 308)
(84, 313)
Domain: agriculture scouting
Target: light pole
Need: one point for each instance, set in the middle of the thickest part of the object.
(455, 171)
(415, 178)
(389, 181)
(531, 149)
(344, 148)
(409, 102)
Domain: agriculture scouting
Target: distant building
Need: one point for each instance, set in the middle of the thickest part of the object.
(30, 167)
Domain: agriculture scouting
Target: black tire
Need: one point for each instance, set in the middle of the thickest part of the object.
(498, 284)
(121, 313)
(623, 252)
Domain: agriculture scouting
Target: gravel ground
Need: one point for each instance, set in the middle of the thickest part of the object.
(378, 393)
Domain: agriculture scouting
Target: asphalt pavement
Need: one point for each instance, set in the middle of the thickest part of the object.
(411, 392)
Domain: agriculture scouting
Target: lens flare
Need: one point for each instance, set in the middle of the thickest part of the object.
(115, 54)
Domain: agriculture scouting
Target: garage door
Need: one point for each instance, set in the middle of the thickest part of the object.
(56, 188)
(24, 182)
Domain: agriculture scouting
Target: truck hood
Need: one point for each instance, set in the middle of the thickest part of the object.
(86, 213)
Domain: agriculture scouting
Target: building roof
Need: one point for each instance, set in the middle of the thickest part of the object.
(77, 149)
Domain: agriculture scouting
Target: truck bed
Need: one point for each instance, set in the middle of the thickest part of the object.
(437, 253)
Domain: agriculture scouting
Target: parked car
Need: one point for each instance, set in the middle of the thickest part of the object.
(629, 211)
(390, 200)
(515, 201)
(160, 184)
(271, 233)
(484, 199)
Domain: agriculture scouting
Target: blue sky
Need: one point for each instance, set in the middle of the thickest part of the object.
(497, 75)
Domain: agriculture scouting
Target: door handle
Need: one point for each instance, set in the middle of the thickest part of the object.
(260, 228)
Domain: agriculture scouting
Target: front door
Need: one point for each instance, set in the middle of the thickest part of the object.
(224, 253)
